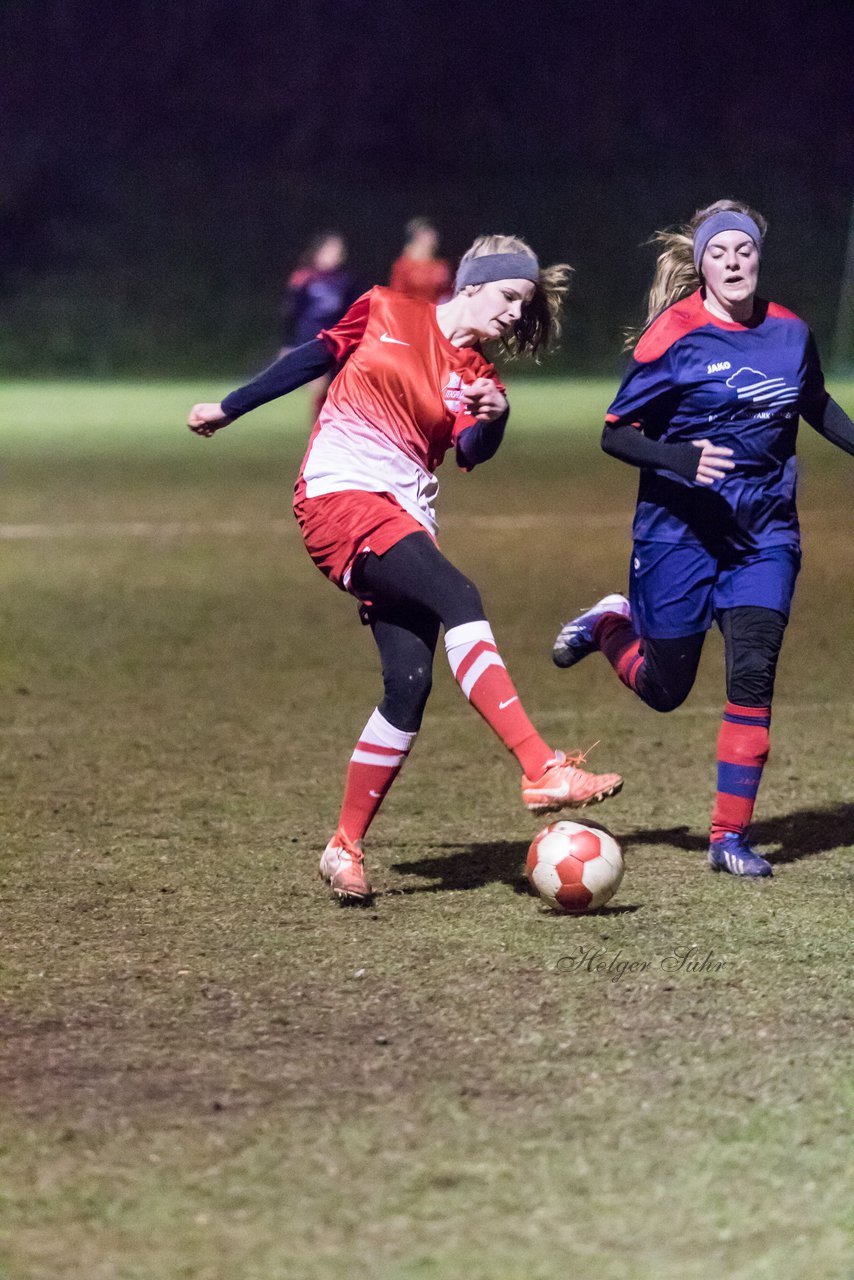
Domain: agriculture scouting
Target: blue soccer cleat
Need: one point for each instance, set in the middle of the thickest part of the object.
(732, 853)
(575, 639)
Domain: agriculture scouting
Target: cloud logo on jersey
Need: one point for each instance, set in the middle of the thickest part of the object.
(756, 387)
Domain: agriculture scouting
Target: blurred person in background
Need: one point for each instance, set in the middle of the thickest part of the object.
(418, 272)
(708, 410)
(412, 382)
(319, 291)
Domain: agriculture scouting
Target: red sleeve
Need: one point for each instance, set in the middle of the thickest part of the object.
(343, 338)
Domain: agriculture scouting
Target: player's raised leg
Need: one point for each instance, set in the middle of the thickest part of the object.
(415, 570)
(551, 780)
(577, 638)
(653, 643)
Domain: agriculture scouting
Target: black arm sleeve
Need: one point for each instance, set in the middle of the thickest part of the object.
(293, 370)
(480, 441)
(831, 421)
(630, 445)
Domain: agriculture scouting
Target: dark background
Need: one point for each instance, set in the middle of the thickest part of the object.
(163, 164)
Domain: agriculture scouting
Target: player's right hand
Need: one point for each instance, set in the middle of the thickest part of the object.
(205, 419)
(714, 461)
(484, 400)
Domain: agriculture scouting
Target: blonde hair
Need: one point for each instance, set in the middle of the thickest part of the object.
(539, 325)
(675, 274)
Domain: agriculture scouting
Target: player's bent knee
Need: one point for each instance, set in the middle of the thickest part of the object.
(665, 700)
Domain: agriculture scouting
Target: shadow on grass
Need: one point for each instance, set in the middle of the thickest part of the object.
(475, 865)
(802, 834)
(470, 867)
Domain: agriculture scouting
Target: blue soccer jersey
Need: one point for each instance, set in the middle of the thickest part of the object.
(695, 376)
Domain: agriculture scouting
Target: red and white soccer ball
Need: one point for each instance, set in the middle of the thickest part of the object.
(574, 867)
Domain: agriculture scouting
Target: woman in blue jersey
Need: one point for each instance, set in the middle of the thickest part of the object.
(319, 292)
(708, 410)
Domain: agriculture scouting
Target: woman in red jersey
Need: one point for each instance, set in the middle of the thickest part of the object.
(412, 382)
(418, 272)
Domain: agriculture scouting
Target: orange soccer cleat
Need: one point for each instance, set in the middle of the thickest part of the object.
(342, 865)
(564, 785)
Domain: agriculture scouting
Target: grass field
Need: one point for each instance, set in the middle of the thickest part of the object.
(208, 1070)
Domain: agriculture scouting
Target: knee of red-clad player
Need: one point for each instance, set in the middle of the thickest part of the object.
(406, 690)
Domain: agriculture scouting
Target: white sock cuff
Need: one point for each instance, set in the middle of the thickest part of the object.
(379, 731)
(468, 633)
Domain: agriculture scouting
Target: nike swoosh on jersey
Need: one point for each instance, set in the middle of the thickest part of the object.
(385, 337)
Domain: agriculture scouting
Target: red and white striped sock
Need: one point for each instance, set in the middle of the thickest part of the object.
(374, 765)
(482, 676)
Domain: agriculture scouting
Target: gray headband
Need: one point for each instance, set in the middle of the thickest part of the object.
(724, 221)
(498, 266)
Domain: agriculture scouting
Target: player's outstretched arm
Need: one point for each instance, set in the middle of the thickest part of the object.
(294, 369)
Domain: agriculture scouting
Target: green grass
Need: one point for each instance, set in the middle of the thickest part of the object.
(210, 1071)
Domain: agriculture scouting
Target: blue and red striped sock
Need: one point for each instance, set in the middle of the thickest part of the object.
(743, 745)
(616, 638)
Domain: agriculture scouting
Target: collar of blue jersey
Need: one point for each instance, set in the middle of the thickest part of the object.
(498, 266)
(724, 221)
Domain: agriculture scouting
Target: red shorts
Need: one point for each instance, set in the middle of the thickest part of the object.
(339, 528)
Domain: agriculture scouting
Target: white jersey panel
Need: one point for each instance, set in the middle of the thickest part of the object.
(354, 455)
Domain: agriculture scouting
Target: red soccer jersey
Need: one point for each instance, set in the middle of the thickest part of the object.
(426, 278)
(395, 407)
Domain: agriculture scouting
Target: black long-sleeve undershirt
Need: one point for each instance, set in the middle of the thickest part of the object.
(480, 441)
(832, 422)
(295, 369)
(629, 444)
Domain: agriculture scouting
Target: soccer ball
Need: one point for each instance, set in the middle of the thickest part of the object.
(574, 867)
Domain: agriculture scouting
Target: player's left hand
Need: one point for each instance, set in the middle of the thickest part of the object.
(483, 400)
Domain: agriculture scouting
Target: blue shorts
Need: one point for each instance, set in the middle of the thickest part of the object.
(678, 588)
